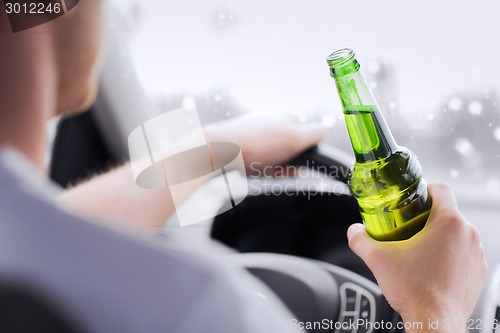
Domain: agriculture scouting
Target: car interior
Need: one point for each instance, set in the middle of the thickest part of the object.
(296, 244)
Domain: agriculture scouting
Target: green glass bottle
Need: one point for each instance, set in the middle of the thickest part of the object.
(386, 179)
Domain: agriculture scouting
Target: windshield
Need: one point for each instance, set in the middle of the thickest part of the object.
(433, 68)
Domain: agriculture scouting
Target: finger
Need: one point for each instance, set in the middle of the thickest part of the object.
(359, 241)
(442, 196)
(443, 200)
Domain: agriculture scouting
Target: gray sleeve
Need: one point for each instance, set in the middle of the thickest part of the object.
(233, 301)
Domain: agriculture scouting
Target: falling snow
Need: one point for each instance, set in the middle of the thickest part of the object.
(455, 104)
(222, 20)
(464, 147)
(475, 108)
(454, 173)
(496, 133)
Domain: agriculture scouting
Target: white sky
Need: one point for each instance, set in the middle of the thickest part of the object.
(272, 54)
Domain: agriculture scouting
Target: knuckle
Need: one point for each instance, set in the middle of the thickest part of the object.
(452, 219)
(483, 267)
(486, 269)
(442, 187)
(474, 234)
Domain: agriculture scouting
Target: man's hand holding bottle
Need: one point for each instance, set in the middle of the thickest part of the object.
(434, 277)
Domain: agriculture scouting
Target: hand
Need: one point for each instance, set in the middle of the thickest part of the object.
(438, 273)
(266, 140)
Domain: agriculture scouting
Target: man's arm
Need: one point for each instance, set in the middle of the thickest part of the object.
(114, 196)
(435, 276)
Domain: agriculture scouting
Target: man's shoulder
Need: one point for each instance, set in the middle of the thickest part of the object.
(104, 275)
(115, 282)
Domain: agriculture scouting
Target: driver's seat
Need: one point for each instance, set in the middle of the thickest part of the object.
(23, 310)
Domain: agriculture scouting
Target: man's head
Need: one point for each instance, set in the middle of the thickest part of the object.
(45, 71)
(65, 52)
(77, 50)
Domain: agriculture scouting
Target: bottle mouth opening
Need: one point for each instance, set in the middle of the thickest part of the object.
(340, 57)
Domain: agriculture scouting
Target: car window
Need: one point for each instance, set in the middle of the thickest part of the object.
(433, 67)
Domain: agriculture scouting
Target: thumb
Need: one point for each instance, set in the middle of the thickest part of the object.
(359, 241)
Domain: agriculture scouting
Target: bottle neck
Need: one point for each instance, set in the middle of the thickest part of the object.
(370, 136)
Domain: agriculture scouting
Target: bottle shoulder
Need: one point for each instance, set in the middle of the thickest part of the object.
(401, 168)
(400, 157)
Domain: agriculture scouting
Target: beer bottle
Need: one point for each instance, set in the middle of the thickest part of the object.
(386, 179)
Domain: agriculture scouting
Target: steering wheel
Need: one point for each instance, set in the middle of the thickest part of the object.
(295, 242)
